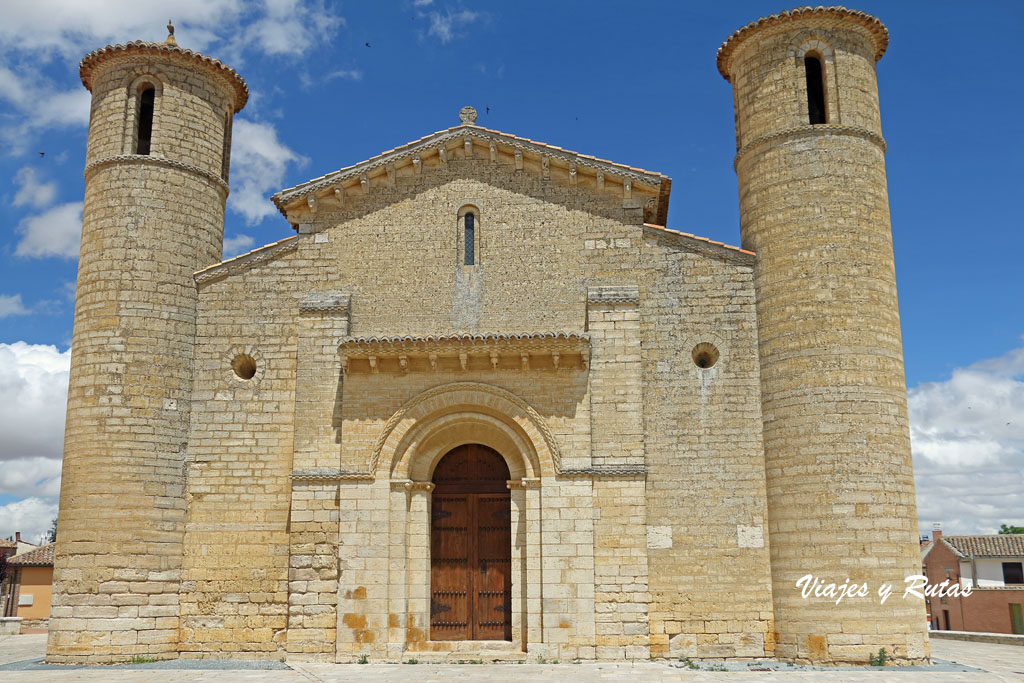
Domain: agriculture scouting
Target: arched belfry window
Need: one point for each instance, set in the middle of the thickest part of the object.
(144, 128)
(469, 229)
(815, 90)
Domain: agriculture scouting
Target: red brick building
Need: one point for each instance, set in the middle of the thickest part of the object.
(992, 566)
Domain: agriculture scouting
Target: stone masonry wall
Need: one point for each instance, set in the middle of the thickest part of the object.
(541, 247)
(234, 595)
(533, 236)
(148, 224)
(707, 540)
(814, 206)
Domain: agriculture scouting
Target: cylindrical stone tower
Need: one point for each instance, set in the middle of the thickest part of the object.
(155, 186)
(814, 207)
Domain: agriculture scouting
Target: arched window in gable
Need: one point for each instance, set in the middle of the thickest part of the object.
(469, 235)
(469, 248)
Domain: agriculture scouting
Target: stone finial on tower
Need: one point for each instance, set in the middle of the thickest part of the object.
(467, 115)
(170, 34)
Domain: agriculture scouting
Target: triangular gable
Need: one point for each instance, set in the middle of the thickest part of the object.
(468, 139)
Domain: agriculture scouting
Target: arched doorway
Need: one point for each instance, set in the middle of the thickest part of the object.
(470, 547)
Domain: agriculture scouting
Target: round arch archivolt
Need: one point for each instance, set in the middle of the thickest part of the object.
(424, 429)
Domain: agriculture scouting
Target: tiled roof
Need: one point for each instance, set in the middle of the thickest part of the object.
(988, 545)
(8, 544)
(40, 557)
(879, 33)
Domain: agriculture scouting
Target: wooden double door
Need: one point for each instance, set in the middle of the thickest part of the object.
(471, 547)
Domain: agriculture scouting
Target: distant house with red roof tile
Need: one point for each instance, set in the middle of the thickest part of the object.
(992, 565)
(30, 585)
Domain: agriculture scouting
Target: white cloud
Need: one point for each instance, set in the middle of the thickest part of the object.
(34, 33)
(258, 165)
(237, 244)
(967, 436)
(38, 106)
(346, 74)
(31, 192)
(33, 396)
(33, 393)
(290, 27)
(71, 27)
(421, 3)
(10, 304)
(32, 517)
(55, 232)
(31, 477)
(445, 27)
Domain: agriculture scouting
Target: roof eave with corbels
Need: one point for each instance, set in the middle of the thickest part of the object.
(297, 202)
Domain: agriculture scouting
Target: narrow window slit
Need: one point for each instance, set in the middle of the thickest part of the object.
(470, 223)
(146, 100)
(225, 158)
(815, 90)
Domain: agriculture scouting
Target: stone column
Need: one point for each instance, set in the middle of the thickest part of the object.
(418, 565)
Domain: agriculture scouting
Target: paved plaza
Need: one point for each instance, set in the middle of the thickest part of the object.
(20, 660)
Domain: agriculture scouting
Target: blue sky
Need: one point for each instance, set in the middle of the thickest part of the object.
(334, 83)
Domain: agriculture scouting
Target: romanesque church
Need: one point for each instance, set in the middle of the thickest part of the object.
(483, 402)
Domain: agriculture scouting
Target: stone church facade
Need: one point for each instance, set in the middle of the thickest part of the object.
(483, 404)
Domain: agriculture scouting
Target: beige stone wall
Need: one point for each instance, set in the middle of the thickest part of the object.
(533, 236)
(189, 112)
(660, 507)
(707, 540)
(772, 65)
(814, 207)
(550, 257)
(234, 593)
(621, 569)
(148, 224)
